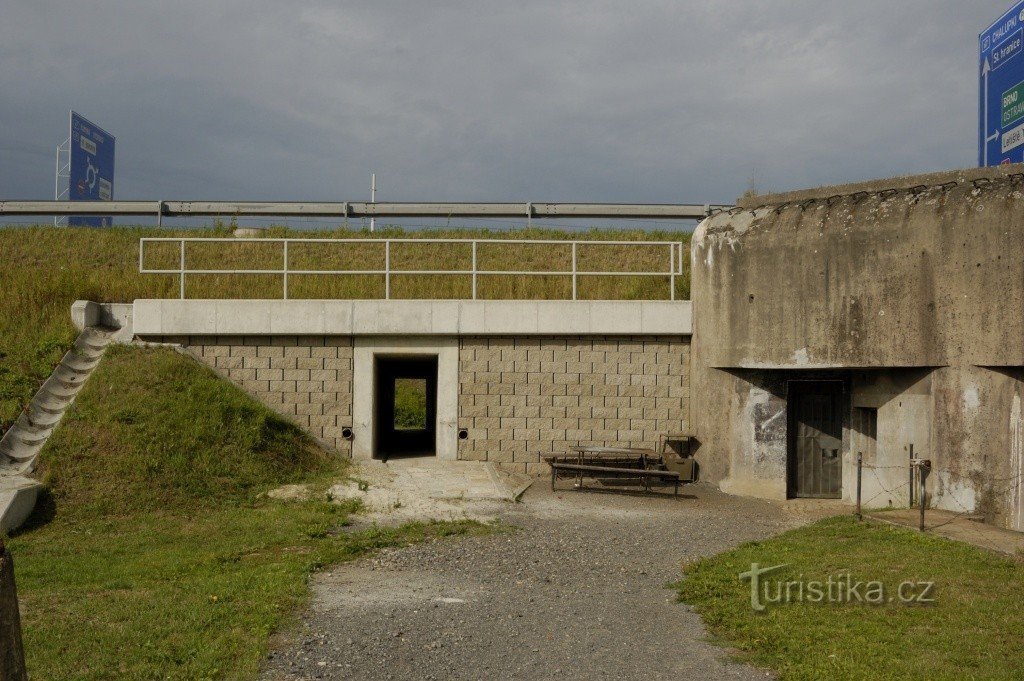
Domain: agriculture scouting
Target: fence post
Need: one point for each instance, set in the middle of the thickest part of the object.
(474, 269)
(285, 271)
(387, 269)
(910, 484)
(574, 270)
(860, 466)
(159, 214)
(923, 466)
(672, 271)
(12, 654)
(181, 275)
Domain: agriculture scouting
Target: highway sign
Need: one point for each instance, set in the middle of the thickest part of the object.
(91, 173)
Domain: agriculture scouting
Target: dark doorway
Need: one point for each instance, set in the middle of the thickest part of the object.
(406, 406)
(815, 434)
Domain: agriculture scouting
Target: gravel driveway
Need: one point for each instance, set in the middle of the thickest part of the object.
(578, 592)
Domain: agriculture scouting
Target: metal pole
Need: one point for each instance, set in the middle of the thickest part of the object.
(672, 271)
(159, 214)
(860, 465)
(922, 472)
(181, 275)
(373, 198)
(911, 480)
(56, 184)
(574, 270)
(285, 271)
(387, 269)
(474, 270)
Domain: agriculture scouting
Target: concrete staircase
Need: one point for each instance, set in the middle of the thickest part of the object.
(22, 443)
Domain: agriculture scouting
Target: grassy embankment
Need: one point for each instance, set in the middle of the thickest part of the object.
(156, 553)
(46, 269)
(970, 631)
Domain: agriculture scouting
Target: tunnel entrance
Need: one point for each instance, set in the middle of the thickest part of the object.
(406, 406)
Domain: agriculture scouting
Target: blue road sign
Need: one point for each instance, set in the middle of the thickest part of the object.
(91, 175)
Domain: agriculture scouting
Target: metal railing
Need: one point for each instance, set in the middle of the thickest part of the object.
(358, 209)
(674, 255)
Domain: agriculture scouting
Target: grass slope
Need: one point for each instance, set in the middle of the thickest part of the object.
(46, 269)
(155, 430)
(158, 556)
(971, 631)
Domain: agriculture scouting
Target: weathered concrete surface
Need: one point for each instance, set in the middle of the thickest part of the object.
(910, 292)
(12, 655)
(426, 488)
(411, 317)
(881, 279)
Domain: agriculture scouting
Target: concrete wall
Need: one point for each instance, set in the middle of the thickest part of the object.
(517, 397)
(520, 398)
(908, 290)
(411, 317)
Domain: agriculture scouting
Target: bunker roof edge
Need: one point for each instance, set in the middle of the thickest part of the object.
(900, 183)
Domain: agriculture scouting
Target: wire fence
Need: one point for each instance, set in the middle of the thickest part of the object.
(918, 473)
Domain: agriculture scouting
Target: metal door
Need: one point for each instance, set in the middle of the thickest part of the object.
(815, 439)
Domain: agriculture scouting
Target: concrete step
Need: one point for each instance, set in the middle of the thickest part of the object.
(69, 377)
(10, 467)
(18, 451)
(77, 363)
(89, 347)
(45, 403)
(60, 390)
(40, 418)
(31, 438)
(21, 444)
(26, 426)
(18, 496)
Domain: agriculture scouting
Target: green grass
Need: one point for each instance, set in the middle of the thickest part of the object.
(155, 421)
(46, 269)
(971, 631)
(410, 403)
(156, 553)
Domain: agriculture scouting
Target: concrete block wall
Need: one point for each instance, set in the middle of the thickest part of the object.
(520, 397)
(305, 378)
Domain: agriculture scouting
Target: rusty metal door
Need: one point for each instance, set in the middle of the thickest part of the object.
(815, 439)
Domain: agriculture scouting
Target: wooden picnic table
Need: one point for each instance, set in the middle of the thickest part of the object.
(594, 459)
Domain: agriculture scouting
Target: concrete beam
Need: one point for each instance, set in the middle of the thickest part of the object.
(411, 317)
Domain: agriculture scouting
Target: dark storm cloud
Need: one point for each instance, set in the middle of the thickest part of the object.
(611, 101)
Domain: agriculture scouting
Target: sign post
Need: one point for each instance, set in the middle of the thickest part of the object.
(91, 168)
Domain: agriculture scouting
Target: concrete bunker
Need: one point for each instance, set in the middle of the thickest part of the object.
(905, 292)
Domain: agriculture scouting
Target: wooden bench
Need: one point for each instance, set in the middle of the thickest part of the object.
(646, 475)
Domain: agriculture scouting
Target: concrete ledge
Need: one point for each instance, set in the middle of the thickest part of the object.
(412, 317)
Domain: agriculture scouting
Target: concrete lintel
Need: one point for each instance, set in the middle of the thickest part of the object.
(412, 317)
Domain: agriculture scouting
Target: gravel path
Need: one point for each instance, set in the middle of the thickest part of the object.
(578, 592)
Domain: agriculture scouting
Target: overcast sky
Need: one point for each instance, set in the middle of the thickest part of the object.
(674, 101)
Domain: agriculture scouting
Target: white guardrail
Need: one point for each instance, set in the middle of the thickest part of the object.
(674, 257)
